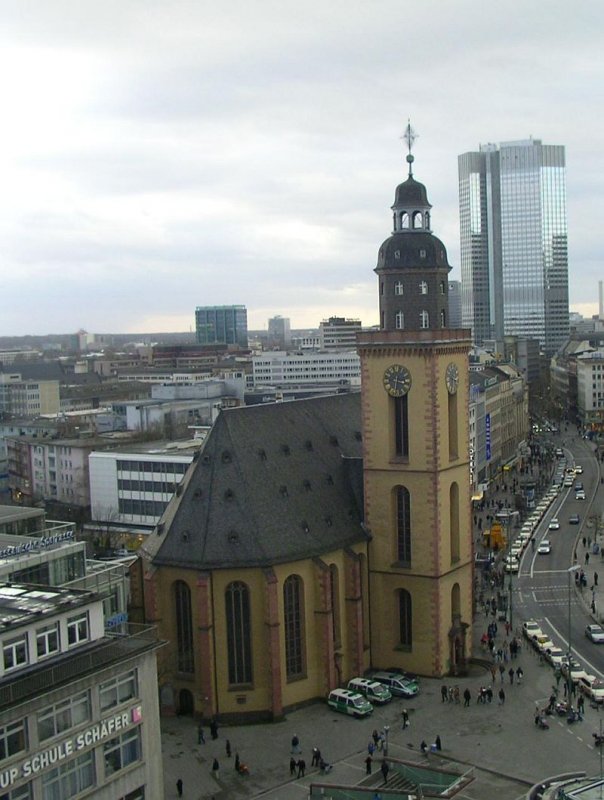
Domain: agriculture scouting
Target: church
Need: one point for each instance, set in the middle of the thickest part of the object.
(313, 540)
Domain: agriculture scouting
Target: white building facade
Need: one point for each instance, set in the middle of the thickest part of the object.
(283, 369)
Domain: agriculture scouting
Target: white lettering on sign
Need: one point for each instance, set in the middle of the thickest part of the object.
(36, 544)
(58, 752)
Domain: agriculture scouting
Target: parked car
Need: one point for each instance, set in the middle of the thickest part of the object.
(348, 702)
(595, 633)
(375, 692)
(574, 519)
(591, 686)
(531, 628)
(398, 684)
(554, 655)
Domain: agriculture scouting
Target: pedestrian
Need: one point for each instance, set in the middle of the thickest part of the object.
(493, 672)
(238, 763)
(228, 748)
(467, 696)
(519, 674)
(581, 704)
(301, 767)
(385, 770)
(511, 673)
(214, 729)
(595, 578)
(376, 737)
(216, 769)
(179, 787)
(201, 739)
(587, 558)
(489, 694)
(584, 542)
(437, 743)
(368, 764)
(501, 696)
(423, 747)
(444, 693)
(296, 744)
(501, 672)
(292, 765)
(456, 695)
(371, 747)
(405, 718)
(316, 757)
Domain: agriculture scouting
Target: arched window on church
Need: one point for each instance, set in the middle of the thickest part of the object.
(293, 614)
(334, 587)
(424, 320)
(455, 601)
(454, 522)
(427, 220)
(405, 618)
(184, 628)
(403, 526)
(399, 320)
(404, 220)
(239, 643)
(417, 219)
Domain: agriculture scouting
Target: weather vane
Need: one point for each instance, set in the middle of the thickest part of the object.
(409, 136)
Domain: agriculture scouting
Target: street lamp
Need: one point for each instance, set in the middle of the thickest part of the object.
(386, 729)
(569, 680)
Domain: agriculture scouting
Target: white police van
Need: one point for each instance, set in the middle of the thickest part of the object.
(348, 702)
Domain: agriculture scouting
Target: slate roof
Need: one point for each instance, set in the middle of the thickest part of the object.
(411, 193)
(408, 244)
(273, 483)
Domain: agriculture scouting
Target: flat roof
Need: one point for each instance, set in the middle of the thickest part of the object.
(20, 603)
(12, 513)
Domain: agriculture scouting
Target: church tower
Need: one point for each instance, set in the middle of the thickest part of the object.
(415, 391)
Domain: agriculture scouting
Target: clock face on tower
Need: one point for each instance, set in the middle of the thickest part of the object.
(452, 378)
(397, 380)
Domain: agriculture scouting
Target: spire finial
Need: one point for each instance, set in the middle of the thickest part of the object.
(409, 136)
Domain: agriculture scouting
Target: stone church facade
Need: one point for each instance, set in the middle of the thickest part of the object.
(312, 540)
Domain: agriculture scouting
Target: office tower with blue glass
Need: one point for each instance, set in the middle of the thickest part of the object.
(514, 256)
(221, 325)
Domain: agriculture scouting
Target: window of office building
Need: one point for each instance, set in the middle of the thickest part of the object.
(78, 629)
(24, 792)
(15, 652)
(13, 739)
(122, 751)
(64, 715)
(118, 690)
(69, 779)
(47, 640)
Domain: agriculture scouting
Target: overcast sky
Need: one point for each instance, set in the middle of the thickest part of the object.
(156, 155)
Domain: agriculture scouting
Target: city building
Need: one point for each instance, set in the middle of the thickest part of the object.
(280, 369)
(301, 524)
(338, 333)
(131, 487)
(221, 325)
(279, 333)
(27, 398)
(514, 257)
(590, 390)
(79, 707)
(455, 316)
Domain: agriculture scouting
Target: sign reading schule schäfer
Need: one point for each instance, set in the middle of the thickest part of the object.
(103, 730)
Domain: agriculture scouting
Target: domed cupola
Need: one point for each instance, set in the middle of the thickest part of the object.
(412, 264)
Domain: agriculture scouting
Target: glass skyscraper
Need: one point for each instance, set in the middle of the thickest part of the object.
(221, 325)
(514, 257)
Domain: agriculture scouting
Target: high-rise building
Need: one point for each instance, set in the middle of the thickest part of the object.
(455, 320)
(279, 332)
(339, 333)
(514, 257)
(221, 325)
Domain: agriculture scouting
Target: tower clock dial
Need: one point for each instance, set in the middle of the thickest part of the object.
(397, 380)
(452, 378)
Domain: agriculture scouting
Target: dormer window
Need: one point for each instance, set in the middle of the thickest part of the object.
(422, 253)
(397, 254)
(423, 288)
